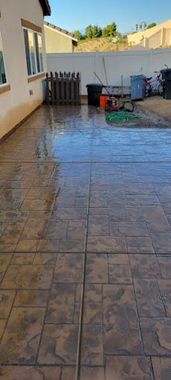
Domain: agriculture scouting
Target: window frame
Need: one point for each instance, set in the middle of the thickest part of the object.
(40, 62)
(6, 84)
(35, 34)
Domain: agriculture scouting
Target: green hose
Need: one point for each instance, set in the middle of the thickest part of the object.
(121, 117)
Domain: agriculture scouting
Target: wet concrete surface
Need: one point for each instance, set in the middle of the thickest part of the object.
(85, 248)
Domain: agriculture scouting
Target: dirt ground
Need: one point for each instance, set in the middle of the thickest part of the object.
(155, 110)
(158, 105)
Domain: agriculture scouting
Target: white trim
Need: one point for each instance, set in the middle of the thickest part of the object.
(4, 84)
(35, 75)
(35, 54)
(34, 51)
(40, 63)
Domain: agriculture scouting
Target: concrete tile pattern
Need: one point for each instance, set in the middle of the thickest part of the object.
(85, 249)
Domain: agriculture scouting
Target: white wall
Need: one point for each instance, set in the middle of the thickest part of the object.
(17, 103)
(124, 63)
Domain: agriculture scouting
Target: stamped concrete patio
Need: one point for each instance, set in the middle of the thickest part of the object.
(85, 249)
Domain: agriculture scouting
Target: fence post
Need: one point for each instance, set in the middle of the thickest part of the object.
(52, 88)
(72, 88)
(62, 88)
(57, 88)
(47, 89)
(78, 89)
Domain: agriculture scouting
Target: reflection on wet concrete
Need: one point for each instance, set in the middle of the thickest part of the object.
(72, 186)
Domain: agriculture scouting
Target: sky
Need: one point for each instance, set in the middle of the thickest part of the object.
(77, 14)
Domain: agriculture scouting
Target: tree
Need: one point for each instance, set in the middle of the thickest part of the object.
(77, 34)
(104, 32)
(97, 31)
(110, 30)
(89, 32)
(100, 31)
(151, 25)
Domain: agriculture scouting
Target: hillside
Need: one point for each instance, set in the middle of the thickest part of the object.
(100, 44)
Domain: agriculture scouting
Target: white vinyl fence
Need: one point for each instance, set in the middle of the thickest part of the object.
(113, 68)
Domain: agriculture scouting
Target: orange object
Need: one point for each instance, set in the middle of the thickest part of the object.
(103, 101)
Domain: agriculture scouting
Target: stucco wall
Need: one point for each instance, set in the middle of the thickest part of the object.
(125, 63)
(17, 103)
(57, 42)
(155, 40)
(158, 36)
(168, 36)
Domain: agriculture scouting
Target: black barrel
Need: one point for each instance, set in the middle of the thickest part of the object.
(94, 93)
(166, 77)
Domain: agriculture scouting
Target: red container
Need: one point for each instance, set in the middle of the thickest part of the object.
(103, 101)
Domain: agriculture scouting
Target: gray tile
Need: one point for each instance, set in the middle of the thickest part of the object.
(156, 334)
(162, 368)
(148, 297)
(127, 368)
(145, 266)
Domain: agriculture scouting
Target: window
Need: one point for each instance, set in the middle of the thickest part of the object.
(39, 52)
(34, 51)
(26, 41)
(3, 79)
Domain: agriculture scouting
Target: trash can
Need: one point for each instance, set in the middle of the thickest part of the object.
(138, 85)
(166, 77)
(94, 93)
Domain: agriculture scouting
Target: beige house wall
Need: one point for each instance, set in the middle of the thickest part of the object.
(23, 97)
(57, 42)
(155, 40)
(168, 36)
(158, 36)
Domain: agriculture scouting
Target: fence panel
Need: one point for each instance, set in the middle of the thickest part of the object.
(63, 88)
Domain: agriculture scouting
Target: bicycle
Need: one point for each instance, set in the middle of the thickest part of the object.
(154, 86)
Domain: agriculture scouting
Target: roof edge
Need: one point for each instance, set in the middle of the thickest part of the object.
(63, 31)
(46, 7)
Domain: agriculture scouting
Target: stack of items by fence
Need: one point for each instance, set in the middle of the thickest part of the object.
(63, 89)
